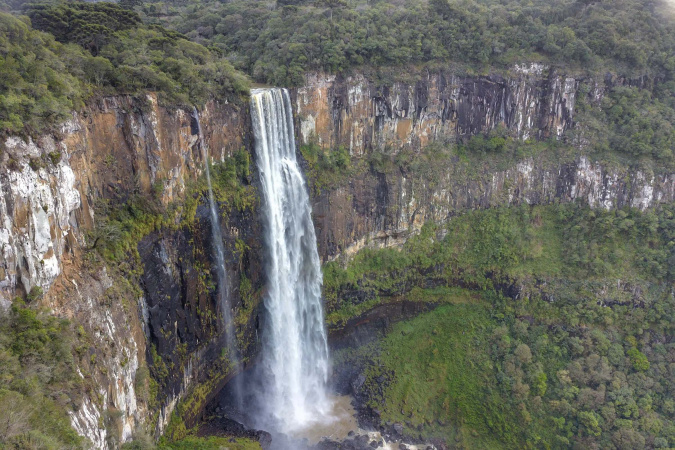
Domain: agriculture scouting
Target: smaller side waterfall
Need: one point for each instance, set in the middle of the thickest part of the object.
(223, 288)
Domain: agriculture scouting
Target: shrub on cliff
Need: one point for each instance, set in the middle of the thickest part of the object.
(38, 382)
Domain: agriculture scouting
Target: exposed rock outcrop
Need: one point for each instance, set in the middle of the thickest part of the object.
(382, 208)
(51, 192)
(534, 101)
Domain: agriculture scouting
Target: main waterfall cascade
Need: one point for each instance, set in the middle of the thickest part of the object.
(295, 351)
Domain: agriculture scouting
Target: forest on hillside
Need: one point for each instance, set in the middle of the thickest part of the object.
(277, 43)
(57, 55)
(60, 55)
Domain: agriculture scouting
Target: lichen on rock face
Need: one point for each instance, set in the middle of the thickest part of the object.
(36, 206)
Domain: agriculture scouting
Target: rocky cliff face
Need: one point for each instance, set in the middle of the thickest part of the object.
(380, 207)
(52, 192)
(533, 102)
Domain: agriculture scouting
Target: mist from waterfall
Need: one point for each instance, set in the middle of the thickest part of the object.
(223, 287)
(295, 351)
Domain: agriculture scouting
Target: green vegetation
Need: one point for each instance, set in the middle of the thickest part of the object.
(38, 382)
(122, 226)
(193, 442)
(195, 400)
(278, 44)
(486, 248)
(250, 300)
(100, 48)
(212, 443)
(327, 168)
(89, 25)
(633, 123)
(37, 84)
(439, 375)
(128, 57)
(577, 354)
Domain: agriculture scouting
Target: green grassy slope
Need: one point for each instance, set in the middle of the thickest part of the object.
(561, 338)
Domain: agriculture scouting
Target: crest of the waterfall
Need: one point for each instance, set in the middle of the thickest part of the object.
(295, 352)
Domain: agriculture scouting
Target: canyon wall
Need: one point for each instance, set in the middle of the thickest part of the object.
(57, 192)
(155, 307)
(382, 209)
(533, 101)
(382, 206)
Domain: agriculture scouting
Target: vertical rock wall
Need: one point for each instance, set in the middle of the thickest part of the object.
(534, 101)
(383, 209)
(50, 192)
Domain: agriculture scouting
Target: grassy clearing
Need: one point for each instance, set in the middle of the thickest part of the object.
(442, 376)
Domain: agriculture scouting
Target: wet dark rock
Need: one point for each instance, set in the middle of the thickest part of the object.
(362, 440)
(182, 318)
(225, 427)
(358, 382)
(358, 443)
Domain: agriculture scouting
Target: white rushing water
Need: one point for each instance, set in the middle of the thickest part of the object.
(295, 352)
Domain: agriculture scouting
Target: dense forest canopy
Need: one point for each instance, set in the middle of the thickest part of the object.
(74, 50)
(278, 42)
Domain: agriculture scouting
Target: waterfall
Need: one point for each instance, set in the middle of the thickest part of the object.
(223, 288)
(295, 352)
